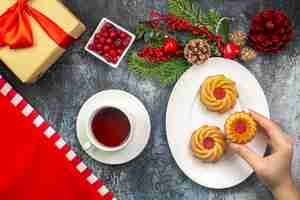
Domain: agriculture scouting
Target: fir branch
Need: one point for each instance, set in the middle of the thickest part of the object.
(152, 37)
(190, 10)
(211, 20)
(222, 28)
(166, 72)
(185, 9)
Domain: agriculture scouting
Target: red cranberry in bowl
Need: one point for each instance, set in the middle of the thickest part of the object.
(106, 48)
(107, 25)
(114, 59)
(113, 34)
(125, 42)
(102, 40)
(99, 47)
(98, 36)
(123, 35)
(110, 42)
(119, 51)
(105, 34)
(113, 53)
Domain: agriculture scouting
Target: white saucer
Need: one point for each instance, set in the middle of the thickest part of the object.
(141, 133)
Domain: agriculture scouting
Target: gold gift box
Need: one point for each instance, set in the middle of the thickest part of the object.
(29, 64)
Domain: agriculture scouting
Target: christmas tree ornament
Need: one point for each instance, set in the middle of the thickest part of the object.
(231, 50)
(239, 38)
(197, 51)
(248, 54)
(170, 45)
(270, 31)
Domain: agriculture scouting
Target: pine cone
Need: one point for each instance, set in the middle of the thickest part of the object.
(197, 51)
(238, 37)
(270, 31)
(248, 54)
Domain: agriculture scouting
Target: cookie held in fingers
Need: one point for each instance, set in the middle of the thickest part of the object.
(240, 128)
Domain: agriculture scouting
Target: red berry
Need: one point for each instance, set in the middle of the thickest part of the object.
(113, 53)
(103, 28)
(125, 43)
(119, 32)
(113, 46)
(98, 36)
(122, 35)
(106, 48)
(99, 47)
(113, 34)
(109, 41)
(102, 40)
(104, 34)
(114, 60)
(107, 25)
(119, 51)
(107, 57)
(96, 40)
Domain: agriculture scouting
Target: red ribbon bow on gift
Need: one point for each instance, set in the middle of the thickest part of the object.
(15, 29)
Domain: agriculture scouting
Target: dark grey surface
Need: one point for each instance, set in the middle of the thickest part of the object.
(154, 174)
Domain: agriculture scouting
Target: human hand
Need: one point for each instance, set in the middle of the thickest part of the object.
(274, 170)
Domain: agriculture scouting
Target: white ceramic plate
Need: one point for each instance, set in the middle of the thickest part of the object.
(142, 128)
(185, 114)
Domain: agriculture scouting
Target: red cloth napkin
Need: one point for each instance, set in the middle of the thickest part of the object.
(36, 163)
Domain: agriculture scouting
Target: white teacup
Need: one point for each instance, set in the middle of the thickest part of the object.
(93, 142)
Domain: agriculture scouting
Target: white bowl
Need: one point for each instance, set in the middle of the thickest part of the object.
(102, 22)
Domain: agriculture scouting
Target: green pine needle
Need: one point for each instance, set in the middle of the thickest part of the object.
(185, 9)
(211, 20)
(166, 72)
(152, 37)
(190, 10)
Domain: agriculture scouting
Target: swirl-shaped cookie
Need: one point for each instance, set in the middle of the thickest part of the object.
(218, 93)
(208, 143)
(240, 128)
